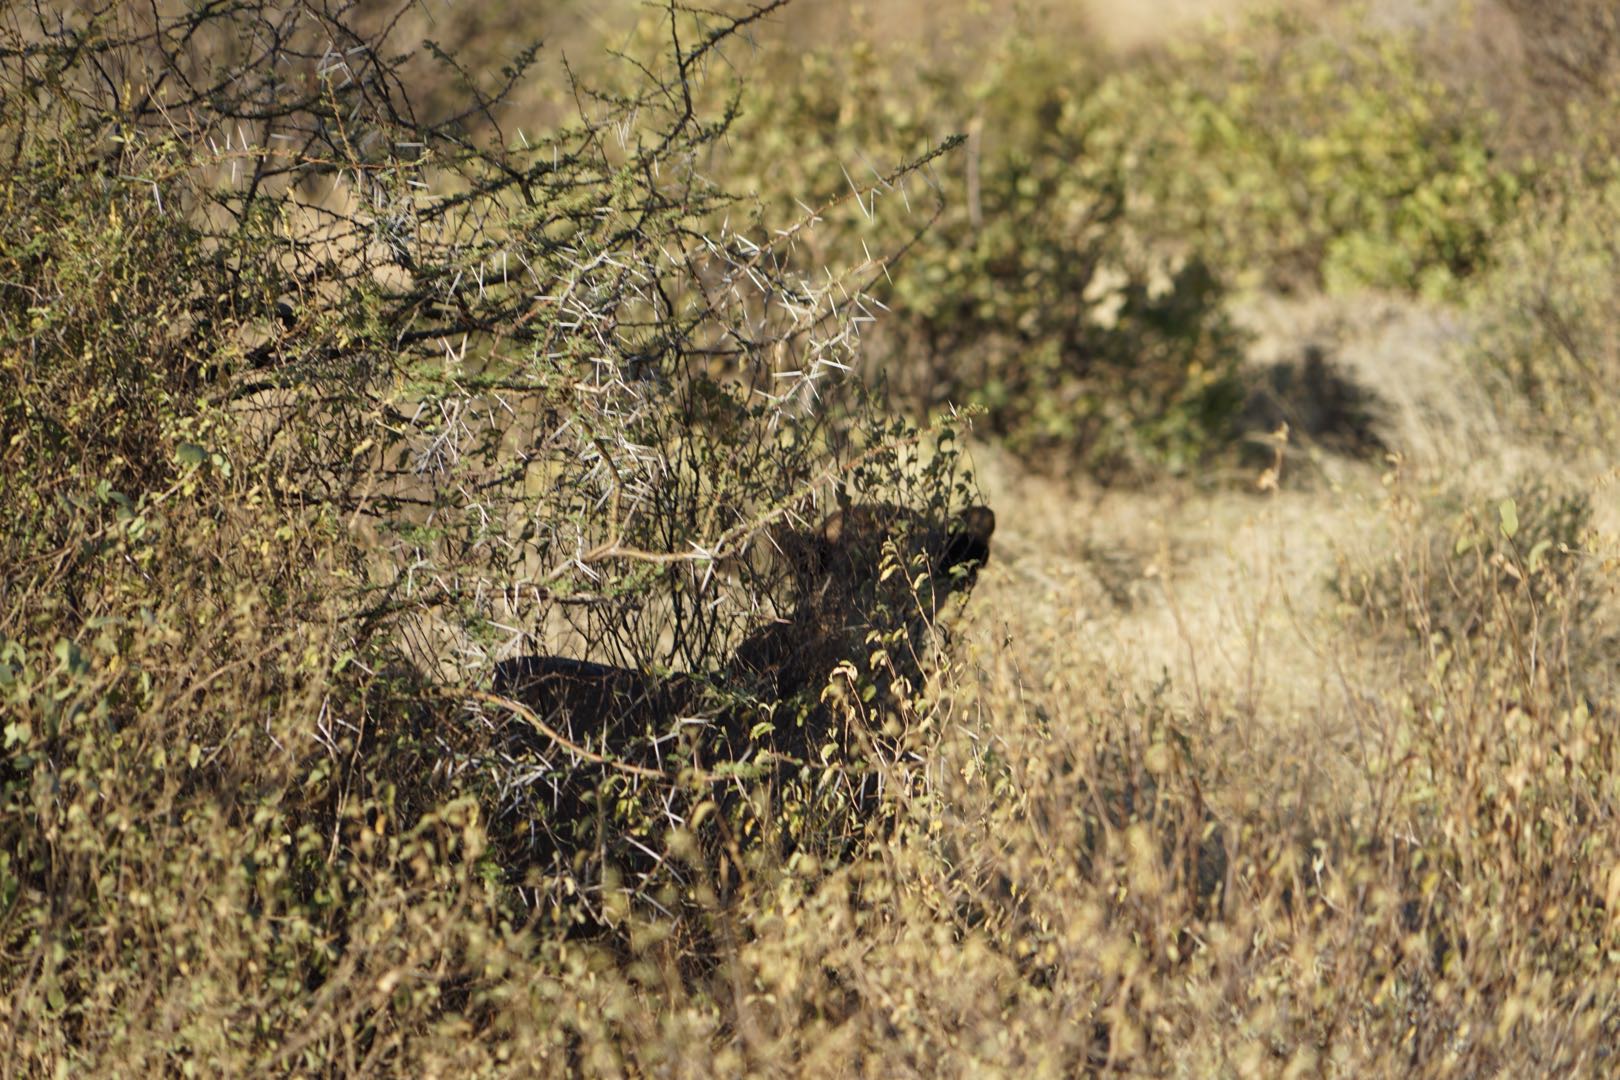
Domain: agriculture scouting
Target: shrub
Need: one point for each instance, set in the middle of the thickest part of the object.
(1572, 49)
(1472, 572)
(311, 409)
(1293, 158)
(1018, 288)
(300, 432)
(1549, 314)
(1073, 275)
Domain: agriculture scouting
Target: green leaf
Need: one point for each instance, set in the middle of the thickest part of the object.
(68, 655)
(1509, 513)
(1538, 553)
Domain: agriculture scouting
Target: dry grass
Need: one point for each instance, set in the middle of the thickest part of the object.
(1307, 767)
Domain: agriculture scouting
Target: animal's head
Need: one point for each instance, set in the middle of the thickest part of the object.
(858, 546)
(844, 567)
(967, 542)
(866, 566)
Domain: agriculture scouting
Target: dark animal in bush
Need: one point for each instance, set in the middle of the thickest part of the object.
(837, 570)
(599, 763)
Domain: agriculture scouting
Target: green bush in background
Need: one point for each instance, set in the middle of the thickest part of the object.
(1019, 288)
(1550, 312)
(1293, 158)
(1074, 280)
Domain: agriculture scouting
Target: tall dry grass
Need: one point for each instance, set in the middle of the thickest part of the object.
(1352, 812)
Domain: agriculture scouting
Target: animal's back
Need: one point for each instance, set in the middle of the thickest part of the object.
(839, 569)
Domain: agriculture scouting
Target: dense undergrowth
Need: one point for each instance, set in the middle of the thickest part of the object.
(313, 406)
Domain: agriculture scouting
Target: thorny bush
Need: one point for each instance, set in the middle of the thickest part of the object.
(312, 409)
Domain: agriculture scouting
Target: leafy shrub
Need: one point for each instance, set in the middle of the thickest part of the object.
(1073, 277)
(1465, 563)
(1549, 315)
(1097, 880)
(1018, 288)
(1295, 158)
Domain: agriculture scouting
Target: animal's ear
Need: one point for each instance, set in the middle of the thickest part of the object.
(832, 530)
(969, 542)
(810, 553)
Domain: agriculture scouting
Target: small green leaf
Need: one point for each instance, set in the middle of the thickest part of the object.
(1538, 553)
(1509, 512)
(191, 454)
(68, 655)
